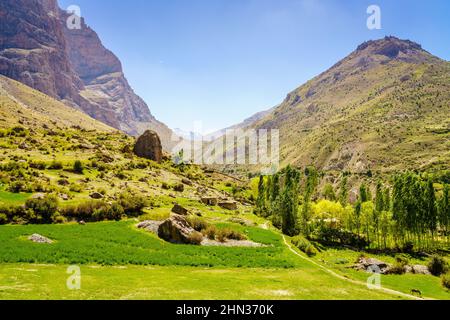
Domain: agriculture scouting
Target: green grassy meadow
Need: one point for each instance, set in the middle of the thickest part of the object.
(118, 261)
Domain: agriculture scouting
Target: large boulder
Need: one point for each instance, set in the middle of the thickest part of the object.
(177, 230)
(149, 146)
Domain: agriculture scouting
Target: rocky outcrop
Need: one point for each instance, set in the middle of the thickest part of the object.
(180, 210)
(177, 230)
(37, 238)
(73, 66)
(228, 205)
(149, 146)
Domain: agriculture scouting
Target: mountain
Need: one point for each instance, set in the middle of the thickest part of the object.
(73, 66)
(384, 107)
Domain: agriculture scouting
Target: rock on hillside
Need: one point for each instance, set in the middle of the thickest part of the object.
(177, 230)
(149, 146)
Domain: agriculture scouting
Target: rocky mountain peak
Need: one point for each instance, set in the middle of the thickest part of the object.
(391, 47)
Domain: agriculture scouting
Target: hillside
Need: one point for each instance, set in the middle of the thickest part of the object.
(73, 66)
(384, 107)
(24, 106)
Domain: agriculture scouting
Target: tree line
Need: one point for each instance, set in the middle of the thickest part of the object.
(410, 210)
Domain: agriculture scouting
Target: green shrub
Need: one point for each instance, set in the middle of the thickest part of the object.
(132, 204)
(3, 219)
(445, 280)
(76, 188)
(55, 165)
(437, 265)
(195, 238)
(304, 245)
(78, 167)
(210, 232)
(226, 233)
(197, 223)
(399, 266)
(179, 187)
(17, 186)
(43, 209)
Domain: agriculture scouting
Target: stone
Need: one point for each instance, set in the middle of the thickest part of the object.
(37, 238)
(371, 264)
(38, 196)
(420, 269)
(186, 181)
(96, 195)
(177, 230)
(210, 201)
(149, 225)
(180, 210)
(228, 205)
(149, 146)
(64, 197)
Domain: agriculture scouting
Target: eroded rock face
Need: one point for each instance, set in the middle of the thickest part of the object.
(177, 230)
(37, 49)
(149, 146)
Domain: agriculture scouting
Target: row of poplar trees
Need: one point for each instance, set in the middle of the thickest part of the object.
(407, 212)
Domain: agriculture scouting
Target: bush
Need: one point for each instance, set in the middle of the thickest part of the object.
(43, 209)
(399, 267)
(3, 219)
(445, 280)
(226, 233)
(210, 232)
(197, 223)
(304, 245)
(179, 187)
(55, 165)
(78, 167)
(195, 238)
(17, 186)
(132, 204)
(437, 265)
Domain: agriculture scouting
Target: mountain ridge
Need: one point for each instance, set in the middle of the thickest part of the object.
(375, 109)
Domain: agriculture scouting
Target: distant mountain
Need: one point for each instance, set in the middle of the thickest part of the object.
(37, 49)
(385, 107)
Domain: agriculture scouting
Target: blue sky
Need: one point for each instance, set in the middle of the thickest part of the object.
(220, 61)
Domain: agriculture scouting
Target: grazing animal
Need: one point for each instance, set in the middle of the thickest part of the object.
(416, 292)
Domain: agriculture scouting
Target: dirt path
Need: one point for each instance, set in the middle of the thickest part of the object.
(389, 291)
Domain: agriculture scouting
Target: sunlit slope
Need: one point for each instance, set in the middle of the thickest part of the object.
(20, 104)
(384, 107)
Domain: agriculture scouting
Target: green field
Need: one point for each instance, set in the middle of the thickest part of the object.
(120, 243)
(118, 261)
(31, 281)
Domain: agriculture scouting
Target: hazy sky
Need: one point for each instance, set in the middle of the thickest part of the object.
(220, 61)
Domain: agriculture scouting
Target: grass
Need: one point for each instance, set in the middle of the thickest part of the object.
(119, 243)
(9, 198)
(31, 281)
(341, 259)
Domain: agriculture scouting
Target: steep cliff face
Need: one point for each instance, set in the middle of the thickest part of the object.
(37, 49)
(32, 49)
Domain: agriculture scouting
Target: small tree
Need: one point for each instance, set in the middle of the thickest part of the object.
(328, 192)
(78, 167)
